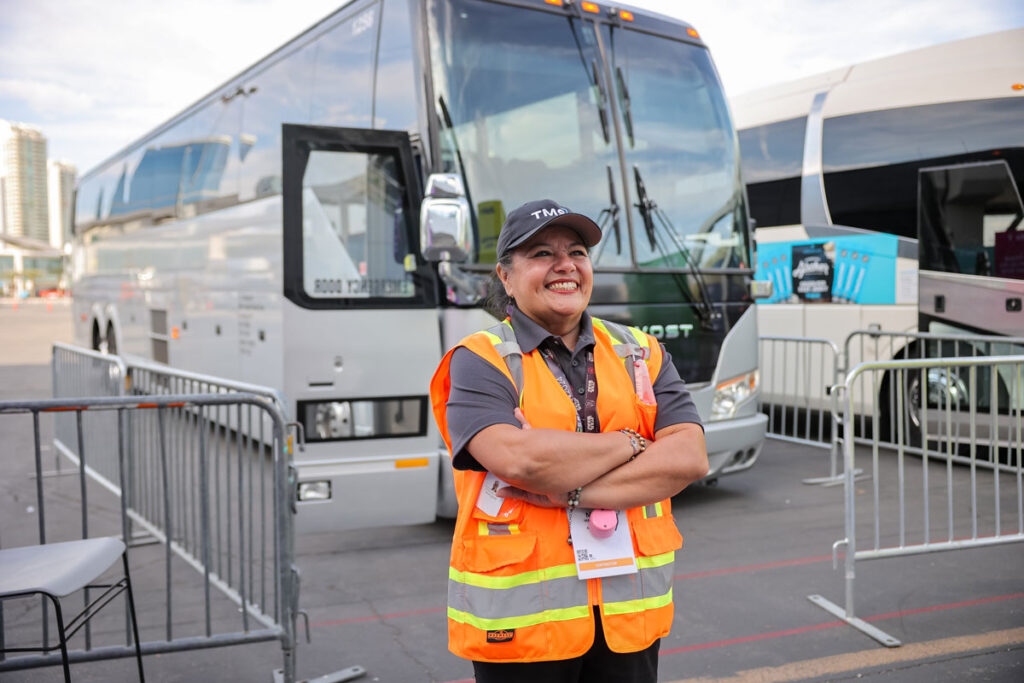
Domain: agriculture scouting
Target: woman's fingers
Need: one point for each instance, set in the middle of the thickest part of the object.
(537, 499)
(522, 418)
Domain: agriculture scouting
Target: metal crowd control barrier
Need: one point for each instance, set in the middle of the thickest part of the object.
(875, 345)
(970, 412)
(79, 373)
(796, 376)
(217, 500)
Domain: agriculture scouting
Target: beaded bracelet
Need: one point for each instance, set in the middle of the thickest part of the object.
(573, 498)
(638, 442)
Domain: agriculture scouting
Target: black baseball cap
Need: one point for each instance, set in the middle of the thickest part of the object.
(523, 223)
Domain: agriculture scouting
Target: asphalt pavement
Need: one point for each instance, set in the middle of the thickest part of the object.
(756, 546)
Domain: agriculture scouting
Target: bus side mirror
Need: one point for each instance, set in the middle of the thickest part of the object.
(446, 233)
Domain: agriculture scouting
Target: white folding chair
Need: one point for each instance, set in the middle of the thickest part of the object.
(56, 570)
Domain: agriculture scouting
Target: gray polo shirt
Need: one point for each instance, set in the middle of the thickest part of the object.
(482, 396)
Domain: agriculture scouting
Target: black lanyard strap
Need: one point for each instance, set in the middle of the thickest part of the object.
(586, 410)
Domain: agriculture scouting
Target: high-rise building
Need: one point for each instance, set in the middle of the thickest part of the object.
(60, 189)
(23, 166)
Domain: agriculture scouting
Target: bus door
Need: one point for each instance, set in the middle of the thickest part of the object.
(971, 241)
(360, 329)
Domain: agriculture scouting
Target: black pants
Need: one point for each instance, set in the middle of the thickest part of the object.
(597, 665)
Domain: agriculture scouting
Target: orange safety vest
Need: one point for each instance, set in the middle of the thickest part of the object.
(513, 592)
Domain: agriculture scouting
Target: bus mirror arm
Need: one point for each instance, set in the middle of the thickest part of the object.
(463, 287)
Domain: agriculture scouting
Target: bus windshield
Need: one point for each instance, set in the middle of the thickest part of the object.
(525, 111)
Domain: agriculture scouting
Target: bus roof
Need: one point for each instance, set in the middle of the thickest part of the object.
(981, 67)
(649, 21)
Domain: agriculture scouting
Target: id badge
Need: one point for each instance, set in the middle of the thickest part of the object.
(611, 554)
(488, 499)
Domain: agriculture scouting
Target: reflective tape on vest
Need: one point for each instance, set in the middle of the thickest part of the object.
(652, 581)
(545, 617)
(495, 602)
(653, 510)
(495, 529)
(640, 605)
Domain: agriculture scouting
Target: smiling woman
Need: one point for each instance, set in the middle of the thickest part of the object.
(543, 457)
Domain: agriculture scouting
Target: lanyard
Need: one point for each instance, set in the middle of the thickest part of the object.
(586, 411)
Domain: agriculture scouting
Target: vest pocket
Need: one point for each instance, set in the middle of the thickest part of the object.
(487, 553)
(656, 535)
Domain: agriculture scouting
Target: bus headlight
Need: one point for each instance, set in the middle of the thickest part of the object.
(314, 490)
(374, 418)
(732, 393)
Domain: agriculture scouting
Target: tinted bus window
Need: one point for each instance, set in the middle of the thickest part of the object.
(394, 105)
(970, 219)
(773, 151)
(772, 164)
(895, 136)
(872, 160)
(342, 86)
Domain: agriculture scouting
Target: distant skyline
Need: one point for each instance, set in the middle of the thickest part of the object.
(94, 75)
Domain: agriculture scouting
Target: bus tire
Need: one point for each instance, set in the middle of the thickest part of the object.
(111, 340)
(97, 340)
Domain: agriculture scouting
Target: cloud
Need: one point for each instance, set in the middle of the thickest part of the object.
(111, 69)
(99, 72)
(756, 43)
(45, 98)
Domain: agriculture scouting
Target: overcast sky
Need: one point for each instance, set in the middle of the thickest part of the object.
(96, 74)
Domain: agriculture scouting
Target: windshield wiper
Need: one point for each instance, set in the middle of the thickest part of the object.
(610, 213)
(704, 309)
(625, 103)
(595, 82)
(446, 118)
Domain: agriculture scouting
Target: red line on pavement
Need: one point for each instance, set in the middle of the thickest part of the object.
(748, 639)
(833, 624)
(754, 567)
(952, 605)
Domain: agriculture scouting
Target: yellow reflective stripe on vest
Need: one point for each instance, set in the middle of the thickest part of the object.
(547, 616)
(484, 581)
(640, 605)
(493, 338)
(656, 560)
(495, 529)
(640, 337)
(509, 597)
(653, 510)
(653, 579)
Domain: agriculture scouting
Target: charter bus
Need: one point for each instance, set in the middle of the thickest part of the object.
(325, 222)
(833, 164)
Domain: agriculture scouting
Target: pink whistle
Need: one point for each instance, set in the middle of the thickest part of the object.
(603, 522)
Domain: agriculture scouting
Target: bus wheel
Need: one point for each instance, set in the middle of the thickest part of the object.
(945, 387)
(97, 340)
(111, 340)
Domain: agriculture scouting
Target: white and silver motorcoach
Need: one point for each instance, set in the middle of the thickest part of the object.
(324, 222)
(845, 166)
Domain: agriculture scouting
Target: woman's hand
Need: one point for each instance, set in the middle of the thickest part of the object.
(538, 499)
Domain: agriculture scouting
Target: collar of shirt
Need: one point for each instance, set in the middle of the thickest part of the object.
(530, 335)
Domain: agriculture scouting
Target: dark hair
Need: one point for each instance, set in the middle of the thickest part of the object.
(497, 302)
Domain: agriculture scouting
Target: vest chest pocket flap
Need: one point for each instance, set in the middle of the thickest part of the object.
(487, 553)
(656, 535)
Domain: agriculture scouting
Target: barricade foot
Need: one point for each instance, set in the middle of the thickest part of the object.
(835, 480)
(859, 624)
(349, 674)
